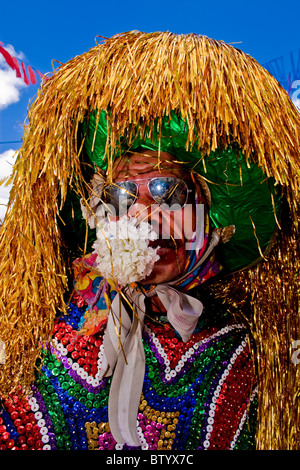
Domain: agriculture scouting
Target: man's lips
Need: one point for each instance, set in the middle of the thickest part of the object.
(169, 243)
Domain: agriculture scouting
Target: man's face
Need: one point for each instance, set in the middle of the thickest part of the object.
(174, 228)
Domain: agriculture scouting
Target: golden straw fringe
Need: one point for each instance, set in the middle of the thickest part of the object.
(226, 98)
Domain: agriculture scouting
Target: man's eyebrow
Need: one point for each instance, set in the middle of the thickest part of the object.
(145, 171)
(166, 165)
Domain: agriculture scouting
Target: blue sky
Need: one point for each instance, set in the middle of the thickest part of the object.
(41, 32)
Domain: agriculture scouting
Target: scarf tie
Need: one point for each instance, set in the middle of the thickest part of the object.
(124, 357)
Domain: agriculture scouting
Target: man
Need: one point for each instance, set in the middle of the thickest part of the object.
(117, 373)
(154, 373)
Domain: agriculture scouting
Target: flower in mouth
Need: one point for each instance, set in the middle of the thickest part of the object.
(170, 243)
(123, 250)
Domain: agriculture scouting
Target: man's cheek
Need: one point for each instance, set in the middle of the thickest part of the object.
(184, 223)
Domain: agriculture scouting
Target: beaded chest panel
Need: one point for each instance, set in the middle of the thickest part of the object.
(196, 395)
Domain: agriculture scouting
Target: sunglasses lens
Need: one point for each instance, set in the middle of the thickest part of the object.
(119, 197)
(168, 190)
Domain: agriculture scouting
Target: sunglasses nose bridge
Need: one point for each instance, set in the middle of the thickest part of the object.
(146, 196)
(142, 206)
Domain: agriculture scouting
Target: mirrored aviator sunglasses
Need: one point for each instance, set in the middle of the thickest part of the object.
(169, 192)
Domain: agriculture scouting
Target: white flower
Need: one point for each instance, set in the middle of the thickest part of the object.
(123, 250)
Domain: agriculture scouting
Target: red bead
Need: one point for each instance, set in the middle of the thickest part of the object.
(14, 415)
(5, 436)
(39, 444)
(36, 429)
(21, 439)
(2, 447)
(2, 428)
(94, 370)
(10, 443)
(24, 447)
(28, 427)
(21, 429)
(30, 441)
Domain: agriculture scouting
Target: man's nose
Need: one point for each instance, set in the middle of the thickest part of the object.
(146, 209)
(142, 207)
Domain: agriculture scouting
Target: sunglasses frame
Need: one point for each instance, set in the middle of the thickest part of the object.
(137, 183)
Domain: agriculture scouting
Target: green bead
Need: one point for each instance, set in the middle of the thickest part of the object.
(68, 445)
(59, 441)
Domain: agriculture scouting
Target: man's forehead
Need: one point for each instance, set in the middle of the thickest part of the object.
(147, 162)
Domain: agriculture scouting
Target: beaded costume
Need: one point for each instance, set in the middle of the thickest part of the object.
(196, 395)
(232, 383)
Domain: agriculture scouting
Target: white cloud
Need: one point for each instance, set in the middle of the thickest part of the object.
(10, 85)
(7, 160)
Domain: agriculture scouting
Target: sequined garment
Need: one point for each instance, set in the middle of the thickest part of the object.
(196, 395)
